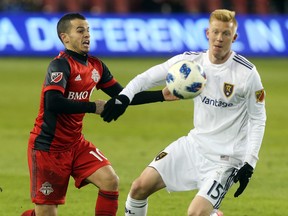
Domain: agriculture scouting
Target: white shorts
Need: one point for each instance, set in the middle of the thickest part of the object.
(183, 168)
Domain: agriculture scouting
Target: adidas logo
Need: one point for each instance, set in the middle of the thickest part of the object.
(129, 211)
(78, 78)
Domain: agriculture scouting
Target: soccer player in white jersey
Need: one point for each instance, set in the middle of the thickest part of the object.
(229, 123)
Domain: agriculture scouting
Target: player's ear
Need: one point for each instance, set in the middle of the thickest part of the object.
(64, 37)
(234, 37)
(207, 33)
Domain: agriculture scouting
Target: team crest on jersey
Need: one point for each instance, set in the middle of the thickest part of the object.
(228, 89)
(56, 77)
(160, 156)
(46, 188)
(95, 75)
(260, 96)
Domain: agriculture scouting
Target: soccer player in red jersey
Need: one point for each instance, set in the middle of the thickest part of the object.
(57, 148)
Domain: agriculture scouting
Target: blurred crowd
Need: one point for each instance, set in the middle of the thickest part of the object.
(147, 6)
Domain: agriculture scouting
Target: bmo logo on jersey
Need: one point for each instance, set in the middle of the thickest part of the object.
(78, 95)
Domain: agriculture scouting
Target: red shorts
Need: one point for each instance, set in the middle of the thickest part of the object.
(50, 171)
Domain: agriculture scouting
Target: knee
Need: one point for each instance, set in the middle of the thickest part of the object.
(111, 182)
(107, 182)
(138, 190)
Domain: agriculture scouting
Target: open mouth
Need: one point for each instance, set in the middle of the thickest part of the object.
(86, 43)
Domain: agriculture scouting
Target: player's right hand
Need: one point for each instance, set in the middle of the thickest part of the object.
(115, 107)
(99, 106)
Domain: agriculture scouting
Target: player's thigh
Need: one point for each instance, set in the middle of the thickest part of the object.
(46, 210)
(177, 165)
(49, 176)
(87, 161)
(147, 183)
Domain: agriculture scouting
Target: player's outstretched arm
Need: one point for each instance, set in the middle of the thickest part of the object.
(117, 105)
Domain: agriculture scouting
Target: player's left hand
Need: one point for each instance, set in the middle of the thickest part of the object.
(243, 176)
(115, 107)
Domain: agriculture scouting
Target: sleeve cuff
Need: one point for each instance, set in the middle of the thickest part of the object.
(252, 160)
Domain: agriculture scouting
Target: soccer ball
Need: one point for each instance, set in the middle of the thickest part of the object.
(186, 79)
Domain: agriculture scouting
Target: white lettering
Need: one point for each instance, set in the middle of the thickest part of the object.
(140, 35)
(78, 95)
(137, 35)
(96, 31)
(190, 34)
(160, 39)
(115, 38)
(98, 154)
(260, 36)
(10, 36)
(40, 36)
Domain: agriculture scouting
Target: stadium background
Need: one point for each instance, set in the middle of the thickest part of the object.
(144, 130)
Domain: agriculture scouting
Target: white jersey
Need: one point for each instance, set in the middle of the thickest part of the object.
(229, 115)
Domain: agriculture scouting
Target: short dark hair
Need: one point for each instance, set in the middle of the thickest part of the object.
(64, 22)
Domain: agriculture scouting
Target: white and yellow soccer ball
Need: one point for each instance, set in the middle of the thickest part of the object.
(186, 79)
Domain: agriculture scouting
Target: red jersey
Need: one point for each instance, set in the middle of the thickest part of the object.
(76, 77)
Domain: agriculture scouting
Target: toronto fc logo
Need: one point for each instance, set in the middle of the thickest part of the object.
(46, 188)
(95, 75)
(228, 89)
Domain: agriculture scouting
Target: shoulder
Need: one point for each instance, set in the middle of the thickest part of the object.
(245, 69)
(62, 57)
(241, 61)
(193, 53)
(188, 55)
(59, 64)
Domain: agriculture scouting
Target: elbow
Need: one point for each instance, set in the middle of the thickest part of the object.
(50, 106)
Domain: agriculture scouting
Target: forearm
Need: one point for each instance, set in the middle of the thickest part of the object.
(56, 102)
(254, 142)
(153, 77)
(147, 97)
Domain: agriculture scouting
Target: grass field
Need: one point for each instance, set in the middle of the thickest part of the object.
(132, 142)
